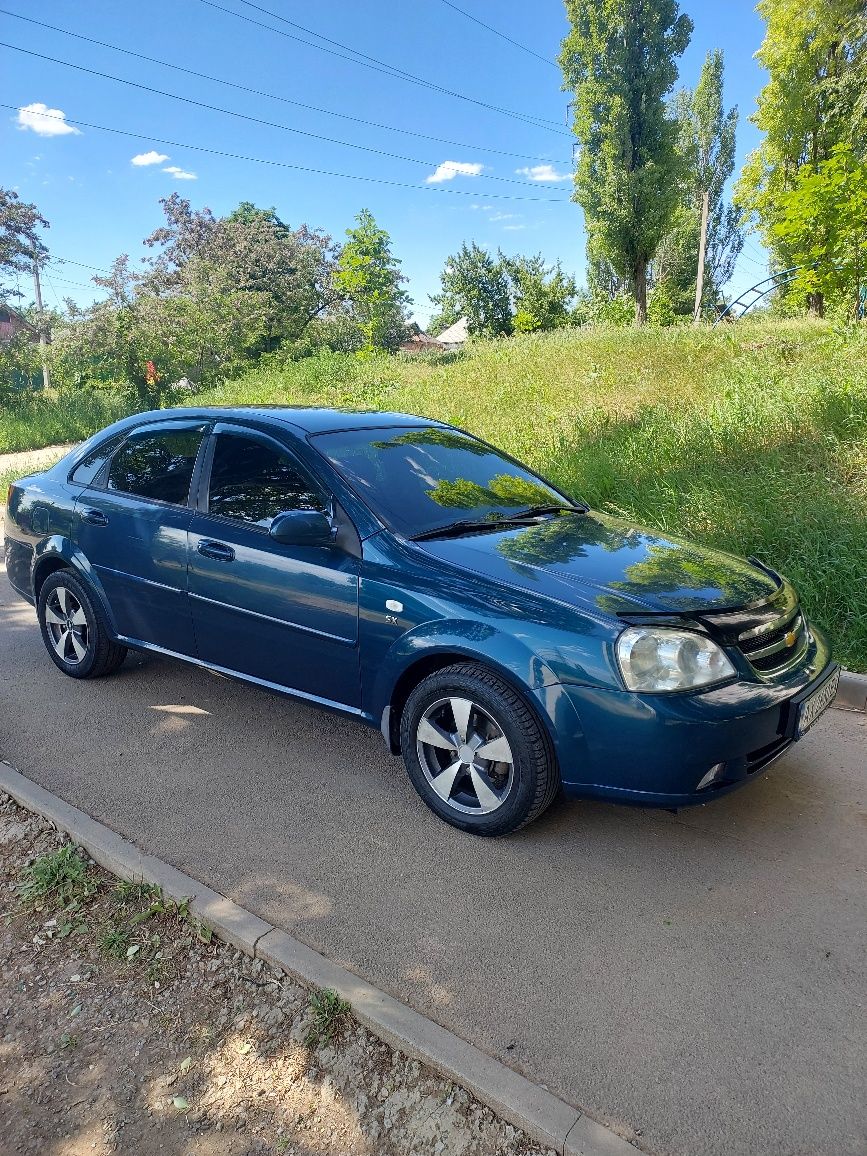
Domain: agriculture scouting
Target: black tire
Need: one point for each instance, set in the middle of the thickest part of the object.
(74, 629)
(517, 789)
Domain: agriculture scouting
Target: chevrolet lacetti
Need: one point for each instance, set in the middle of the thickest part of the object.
(507, 640)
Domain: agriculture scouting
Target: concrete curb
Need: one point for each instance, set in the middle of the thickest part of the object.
(852, 692)
(544, 1117)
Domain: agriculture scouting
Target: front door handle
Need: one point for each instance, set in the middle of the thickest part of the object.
(94, 517)
(218, 550)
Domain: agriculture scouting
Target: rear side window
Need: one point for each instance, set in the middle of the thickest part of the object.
(158, 466)
(89, 466)
(254, 482)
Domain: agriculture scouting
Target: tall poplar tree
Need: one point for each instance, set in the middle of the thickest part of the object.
(707, 145)
(619, 62)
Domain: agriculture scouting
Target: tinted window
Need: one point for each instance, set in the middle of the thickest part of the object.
(157, 465)
(89, 466)
(254, 482)
(419, 479)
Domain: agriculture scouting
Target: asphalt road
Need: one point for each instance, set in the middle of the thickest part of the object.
(699, 978)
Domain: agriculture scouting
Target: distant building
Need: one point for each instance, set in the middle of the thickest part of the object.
(417, 340)
(455, 336)
(12, 323)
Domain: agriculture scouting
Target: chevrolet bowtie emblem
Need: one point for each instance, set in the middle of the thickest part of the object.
(791, 638)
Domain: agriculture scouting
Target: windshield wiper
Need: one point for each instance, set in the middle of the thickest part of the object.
(538, 511)
(467, 525)
(494, 522)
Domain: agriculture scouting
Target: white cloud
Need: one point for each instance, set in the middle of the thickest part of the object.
(151, 158)
(180, 174)
(502, 217)
(45, 121)
(543, 173)
(448, 170)
(514, 228)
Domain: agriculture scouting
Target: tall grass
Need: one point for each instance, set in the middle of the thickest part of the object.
(751, 437)
(38, 420)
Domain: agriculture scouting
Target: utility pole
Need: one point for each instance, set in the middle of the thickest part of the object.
(699, 280)
(43, 341)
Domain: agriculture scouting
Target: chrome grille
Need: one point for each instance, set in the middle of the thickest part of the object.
(775, 648)
(771, 636)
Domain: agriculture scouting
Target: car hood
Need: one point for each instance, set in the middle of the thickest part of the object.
(616, 567)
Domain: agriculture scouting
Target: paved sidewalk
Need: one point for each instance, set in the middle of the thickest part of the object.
(697, 977)
(26, 460)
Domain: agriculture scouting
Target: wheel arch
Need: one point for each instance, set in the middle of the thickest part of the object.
(59, 553)
(427, 664)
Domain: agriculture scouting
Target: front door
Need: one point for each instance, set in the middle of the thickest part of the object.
(287, 615)
(131, 524)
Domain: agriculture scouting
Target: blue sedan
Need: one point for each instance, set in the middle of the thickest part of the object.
(507, 640)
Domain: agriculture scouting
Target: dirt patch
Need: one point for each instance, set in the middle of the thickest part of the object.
(125, 1027)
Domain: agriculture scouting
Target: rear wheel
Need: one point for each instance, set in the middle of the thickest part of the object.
(74, 629)
(475, 751)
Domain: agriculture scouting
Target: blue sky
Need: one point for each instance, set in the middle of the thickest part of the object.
(100, 204)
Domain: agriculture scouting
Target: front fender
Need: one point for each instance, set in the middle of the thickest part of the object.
(58, 548)
(474, 640)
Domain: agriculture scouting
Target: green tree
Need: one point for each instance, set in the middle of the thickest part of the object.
(823, 218)
(286, 272)
(369, 280)
(706, 142)
(541, 294)
(474, 285)
(619, 61)
(814, 52)
(21, 246)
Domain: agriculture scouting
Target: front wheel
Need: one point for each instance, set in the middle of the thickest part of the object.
(74, 630)
(475, 751)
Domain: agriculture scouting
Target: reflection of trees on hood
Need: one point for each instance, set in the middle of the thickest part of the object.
(565, 537)
(669, 567)
(503, 490)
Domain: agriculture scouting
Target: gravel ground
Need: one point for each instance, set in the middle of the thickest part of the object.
(125, 1027)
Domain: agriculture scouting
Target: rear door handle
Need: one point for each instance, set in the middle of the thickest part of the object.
(218, 550)
(94, 517)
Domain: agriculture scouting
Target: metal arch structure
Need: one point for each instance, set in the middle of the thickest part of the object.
(756, 293)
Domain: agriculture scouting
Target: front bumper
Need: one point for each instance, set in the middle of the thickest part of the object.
(660, 750)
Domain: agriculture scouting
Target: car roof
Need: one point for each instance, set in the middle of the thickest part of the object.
(307, 419)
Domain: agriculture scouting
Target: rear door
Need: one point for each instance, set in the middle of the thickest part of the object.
(285, 614)
(131, 523)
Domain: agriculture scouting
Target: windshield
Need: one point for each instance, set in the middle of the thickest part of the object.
(420, 479)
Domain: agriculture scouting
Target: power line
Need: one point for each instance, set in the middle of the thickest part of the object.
(55, 260)
(488, 196)
(244, 115)
(502, 35)
(377, 65)
(78, 284)
(271, 95)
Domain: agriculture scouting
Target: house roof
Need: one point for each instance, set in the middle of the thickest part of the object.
(455, 334)
(14, 315)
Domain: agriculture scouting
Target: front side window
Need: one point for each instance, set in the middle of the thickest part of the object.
(420, 479)
(158, 466)
(254, 482)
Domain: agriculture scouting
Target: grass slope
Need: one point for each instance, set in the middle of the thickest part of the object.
(751, 437)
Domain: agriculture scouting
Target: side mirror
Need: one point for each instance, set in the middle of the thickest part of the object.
(301, 528)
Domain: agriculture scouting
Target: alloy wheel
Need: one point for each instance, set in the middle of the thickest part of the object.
(67, 625)
(465, 755)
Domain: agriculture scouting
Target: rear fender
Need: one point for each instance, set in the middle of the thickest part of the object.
(59, 549)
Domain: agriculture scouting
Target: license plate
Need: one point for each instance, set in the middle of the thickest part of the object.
(817, 703)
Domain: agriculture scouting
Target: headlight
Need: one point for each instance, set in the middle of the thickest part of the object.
(659, 658)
